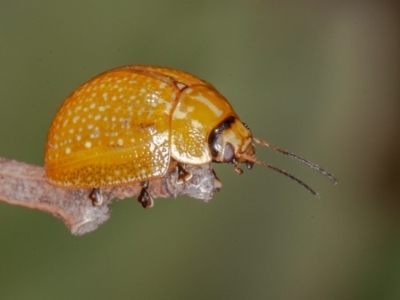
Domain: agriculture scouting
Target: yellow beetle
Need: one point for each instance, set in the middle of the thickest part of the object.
(135, 123)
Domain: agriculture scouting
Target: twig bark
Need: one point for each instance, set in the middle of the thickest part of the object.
(25, 185)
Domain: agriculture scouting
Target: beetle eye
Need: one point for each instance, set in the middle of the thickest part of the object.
(215, 140)
(229, 153)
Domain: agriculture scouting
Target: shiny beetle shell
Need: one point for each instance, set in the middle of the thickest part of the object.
(126, 125)
(135, 123)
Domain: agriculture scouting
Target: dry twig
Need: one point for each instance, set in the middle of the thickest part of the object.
(25, 185)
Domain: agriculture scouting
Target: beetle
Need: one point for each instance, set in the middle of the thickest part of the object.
(136, 123)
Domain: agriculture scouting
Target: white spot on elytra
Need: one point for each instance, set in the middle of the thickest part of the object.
(67, 150)
(120, 142)
(88, 144)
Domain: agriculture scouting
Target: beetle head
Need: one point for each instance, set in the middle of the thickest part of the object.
(232, 142)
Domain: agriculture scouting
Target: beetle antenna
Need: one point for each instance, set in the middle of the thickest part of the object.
(263, 163)
(298, 158)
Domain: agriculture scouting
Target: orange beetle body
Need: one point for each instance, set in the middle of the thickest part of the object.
(129, 124)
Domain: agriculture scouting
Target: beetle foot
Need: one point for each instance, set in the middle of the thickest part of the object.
(238, 170)
(217, 182)
(144, 197)
(183, 175)
(96, 197)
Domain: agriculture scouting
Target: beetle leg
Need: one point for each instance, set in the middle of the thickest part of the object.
(183, 175)
(237, 169)
(96, 197)
(144, 197)
(217, 183)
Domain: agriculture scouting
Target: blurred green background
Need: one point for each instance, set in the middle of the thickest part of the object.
(320, 78)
